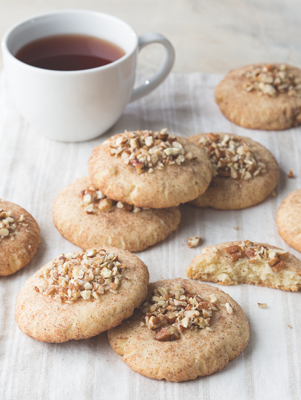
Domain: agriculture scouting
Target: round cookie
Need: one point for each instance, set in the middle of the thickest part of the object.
(81, 294)
(150, 169)
(19, 238)
(120, 225)
(259, 264)
(213, 332)
(251, 175)
(261, 96)
(289, 220)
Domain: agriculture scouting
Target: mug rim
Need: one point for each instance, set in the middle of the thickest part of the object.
(67, 11)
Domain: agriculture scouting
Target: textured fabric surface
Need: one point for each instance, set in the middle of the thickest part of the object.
(34, 169)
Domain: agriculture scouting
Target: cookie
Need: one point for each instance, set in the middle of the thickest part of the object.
(150, 169)
(81, 294)
(87, 218)
(184, 330)
(19, 238)
(259, 264)
(289, 220)
(261, 96)
(244, 171)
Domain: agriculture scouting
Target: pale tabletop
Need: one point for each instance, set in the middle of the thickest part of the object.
(209, 36)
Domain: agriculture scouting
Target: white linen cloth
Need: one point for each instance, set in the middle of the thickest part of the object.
(34, 169)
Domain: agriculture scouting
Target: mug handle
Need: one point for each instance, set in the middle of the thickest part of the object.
(164, 69)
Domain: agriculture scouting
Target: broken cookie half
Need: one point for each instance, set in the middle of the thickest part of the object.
(259, 264)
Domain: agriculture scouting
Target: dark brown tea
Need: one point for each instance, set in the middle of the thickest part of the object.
(69, 52)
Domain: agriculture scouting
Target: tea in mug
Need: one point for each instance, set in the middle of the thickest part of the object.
(69, 52)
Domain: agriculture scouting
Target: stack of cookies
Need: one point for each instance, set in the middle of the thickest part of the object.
(130, 199)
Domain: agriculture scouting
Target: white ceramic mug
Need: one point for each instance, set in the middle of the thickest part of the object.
(78, 105)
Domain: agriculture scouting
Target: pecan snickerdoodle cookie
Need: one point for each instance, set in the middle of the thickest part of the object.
(289, 220)
(19, 238)
(182, 331)
(150, 169)
(261, 96)
(87, 218)
(259, 264)
(244, 171)
(81, 294)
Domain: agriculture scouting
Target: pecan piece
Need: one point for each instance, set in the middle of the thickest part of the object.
(105, 205)
(279, 266)
(250, 253)
(234, 252)
(168, 334)
(213, 137)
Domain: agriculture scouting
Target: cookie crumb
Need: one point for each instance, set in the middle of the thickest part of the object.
(273, 194)
(193, 241)
(289, 326)
(290, 174)
(236, 228)
(262, 305)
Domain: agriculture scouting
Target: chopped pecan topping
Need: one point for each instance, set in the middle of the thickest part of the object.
(193, 241)
(254, 253)
(262, 305)
(290, 174)
(173, 310)
(95, 201)
(148, 150)
(272, 81)
(232, 157)
(84, 274)
(8, 225)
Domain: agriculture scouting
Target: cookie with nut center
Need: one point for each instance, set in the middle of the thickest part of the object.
(261, 96)
(196, 334)
(244, 171)
(163, 171)
(87, 218)
(81, 294)
(249, 262)
(19, 238)
(289, 220)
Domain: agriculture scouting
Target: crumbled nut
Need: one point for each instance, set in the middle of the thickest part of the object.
(171, 311)
(213, 298)
(272, 257)
(229, 308)
(8, 225)
(234, 252)
(289, 326)
(272, 81)
(236, 228)
(83, 274)
(290, 174)
(193, 241)
(97, 202)
(273, 194)
(231, 157)
(168, 334)
(147, 150)
(262, 305)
